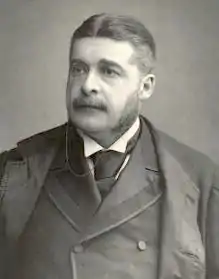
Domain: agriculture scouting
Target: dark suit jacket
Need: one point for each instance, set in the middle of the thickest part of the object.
(189, 227)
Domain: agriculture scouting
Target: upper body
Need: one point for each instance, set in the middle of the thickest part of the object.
(188, 225)
(110, 74)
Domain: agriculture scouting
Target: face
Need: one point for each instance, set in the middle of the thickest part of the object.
(104, 86)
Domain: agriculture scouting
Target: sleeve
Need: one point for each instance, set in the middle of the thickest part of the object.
(212, 230)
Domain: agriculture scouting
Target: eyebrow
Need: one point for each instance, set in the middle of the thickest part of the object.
(77, 60)
(111, 63)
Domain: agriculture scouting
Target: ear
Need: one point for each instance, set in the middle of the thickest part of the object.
(147, 87)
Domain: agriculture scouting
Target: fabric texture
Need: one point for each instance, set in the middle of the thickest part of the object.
(188, 225)
(68, 217)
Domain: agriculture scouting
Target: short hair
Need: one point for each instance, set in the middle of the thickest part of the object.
(120, 28)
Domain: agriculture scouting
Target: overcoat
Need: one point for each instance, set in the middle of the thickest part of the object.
(160, 220)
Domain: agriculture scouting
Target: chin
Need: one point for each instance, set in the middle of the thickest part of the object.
(90, 125)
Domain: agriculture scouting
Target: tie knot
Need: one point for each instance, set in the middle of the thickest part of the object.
(104, 158)
(101, 155)
(106, 163)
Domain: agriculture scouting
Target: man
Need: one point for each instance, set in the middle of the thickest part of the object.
(106, 195)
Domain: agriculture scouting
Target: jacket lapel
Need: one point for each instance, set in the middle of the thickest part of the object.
(71, 186)
(138, 175)
(76, 198)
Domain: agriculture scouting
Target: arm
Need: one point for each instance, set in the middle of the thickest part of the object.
(3, 249)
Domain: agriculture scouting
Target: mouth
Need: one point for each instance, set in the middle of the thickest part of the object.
(88, 106)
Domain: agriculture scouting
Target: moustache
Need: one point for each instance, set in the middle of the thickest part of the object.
(89, 103)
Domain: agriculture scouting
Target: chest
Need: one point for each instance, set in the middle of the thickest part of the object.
(50, 247)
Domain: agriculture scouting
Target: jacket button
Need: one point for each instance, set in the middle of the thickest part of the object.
(78, 249)
(141, 245)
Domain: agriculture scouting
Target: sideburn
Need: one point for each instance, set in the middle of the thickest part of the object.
(128, 117)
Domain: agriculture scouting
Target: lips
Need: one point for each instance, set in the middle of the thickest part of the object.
(89, 106)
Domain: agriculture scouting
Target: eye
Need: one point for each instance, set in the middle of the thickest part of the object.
(77, 70)
(109, 72)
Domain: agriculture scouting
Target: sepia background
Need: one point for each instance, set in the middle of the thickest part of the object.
(34, 42)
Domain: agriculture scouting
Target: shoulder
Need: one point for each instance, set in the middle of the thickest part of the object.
(200, 168)
(34, 144)
(29, 154)
(184, 153)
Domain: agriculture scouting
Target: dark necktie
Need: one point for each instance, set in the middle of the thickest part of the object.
(108, 163)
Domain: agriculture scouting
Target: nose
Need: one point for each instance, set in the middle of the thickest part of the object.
(91, 83)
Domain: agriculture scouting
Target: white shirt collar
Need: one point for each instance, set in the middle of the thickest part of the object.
(91, 146)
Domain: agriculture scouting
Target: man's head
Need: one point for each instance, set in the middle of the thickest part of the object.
(111, 61)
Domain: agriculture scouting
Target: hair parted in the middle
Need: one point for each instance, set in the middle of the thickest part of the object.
(120, 28)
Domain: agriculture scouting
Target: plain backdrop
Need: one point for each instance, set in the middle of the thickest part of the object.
(34, 43)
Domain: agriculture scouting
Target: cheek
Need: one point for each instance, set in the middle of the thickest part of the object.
(73, 89)
(122, 94)
(116, 106)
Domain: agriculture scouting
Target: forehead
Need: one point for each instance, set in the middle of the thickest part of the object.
(92, 50)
